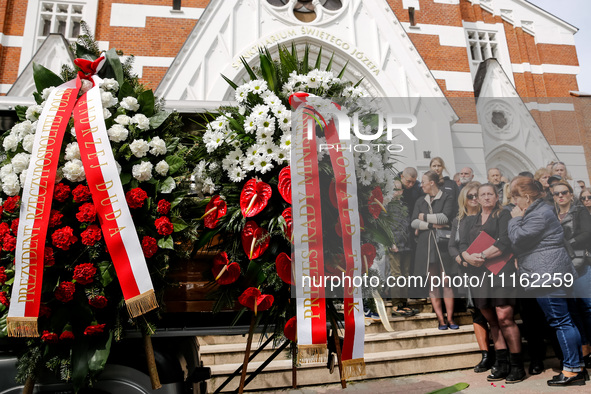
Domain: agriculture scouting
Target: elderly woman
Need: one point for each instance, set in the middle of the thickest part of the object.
(494, 301)
(432, 212)
(469, 206)
(542, 175)
(538, 240)
(449, 186)
(585, 199)
(576, 223)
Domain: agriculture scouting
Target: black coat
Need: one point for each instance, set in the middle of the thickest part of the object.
(426, 252)
(451, 188)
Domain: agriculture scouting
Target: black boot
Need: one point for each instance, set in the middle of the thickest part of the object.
(488, 359)
(500, 369)
(517, 372)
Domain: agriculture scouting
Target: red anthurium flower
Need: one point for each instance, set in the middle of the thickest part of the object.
(291, 329)
(254, 240)
(368, 254)
(284, 184)
(254, 197)
(283, 266)
(289, 223)
(224, 271)
(337, 266)
(254, 300)
(215, 209)
(375, 202)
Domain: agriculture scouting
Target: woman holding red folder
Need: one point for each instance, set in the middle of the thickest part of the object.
(494, 301)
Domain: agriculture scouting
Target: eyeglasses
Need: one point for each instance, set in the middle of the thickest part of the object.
(562, 193)
(586, 198)
(472, 196)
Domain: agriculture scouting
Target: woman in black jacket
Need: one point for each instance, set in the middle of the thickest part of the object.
(449, 186)
(576, 223)
(495, 301)
(431, 213)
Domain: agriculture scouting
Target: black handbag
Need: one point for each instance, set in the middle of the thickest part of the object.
(581, 258)
(442, 236)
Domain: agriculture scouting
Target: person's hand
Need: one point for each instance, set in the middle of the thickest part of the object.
(394, 248)
(439, 225)
(422, 217)
(517, 212)
(474, 259)
(416, 232)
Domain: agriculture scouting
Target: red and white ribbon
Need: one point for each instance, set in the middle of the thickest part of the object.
(35, 210)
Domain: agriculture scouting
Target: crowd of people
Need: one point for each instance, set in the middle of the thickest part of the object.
(537, 227)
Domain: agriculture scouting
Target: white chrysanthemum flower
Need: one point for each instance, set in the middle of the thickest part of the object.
(242, 92)
(108, 99)
(11, 185)
(285, 122)
(33, 112)
(143, 171)
(236, 173)
(285, 143)
(249, 163)
(109, 84)
(157, 146)
(260, 110)
(199, 170)
(139, 147)
(263, 164)
(212, 140)
(241, 110)
(117, 133)
(268, 150)
(28, 142)
(288, 89)
(254, 150)
(106, 113)
(142, 121)
(232, 159)
(250, 123)
(130, 103)
(74, 171)
(6, 170)
(46, 92)
(24, 128)
(264, 136)
(20, 162)
(123, 120)
(220, 123)
(258, 86)
(365, 178)
(162, 168)
(23, 177)
(72, 151)
(11, 141)
(267, 123)
(279, 110)
(281, 156)
(272, 100)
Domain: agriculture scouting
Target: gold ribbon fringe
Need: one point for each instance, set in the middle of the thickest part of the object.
(22, 327)
(353, 368)
(142, 303)
(308, 354)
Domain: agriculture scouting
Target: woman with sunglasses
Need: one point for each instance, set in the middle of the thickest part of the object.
(469, 206)
(585, 199)
(576, 223)
(538, 241)
(559, 168)
(495, 301)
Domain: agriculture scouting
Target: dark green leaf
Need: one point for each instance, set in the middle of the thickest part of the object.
(125, 178)
(21, 112)
(146, 102)
(38, 98)
(166, 243)
(99, 358)
(305, 65)
(176, 201)
(329, 65)
(80, 357)
(343, 70)
(45, 78)
(179, 224)
(268, 70)
(254, 274)
(318, 59)
(172, 144)
(249, 70)
(125, 90)
(115, 63)
(83, 53)
(232, 84)
(158, 119)
(205, 237)
(175, 163)
(107, 272)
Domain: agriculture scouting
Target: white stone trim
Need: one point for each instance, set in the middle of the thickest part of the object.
(547, 107)
(134, 15)
(411, 3)
(11, 41)
(5, 87)
(455, 80)
(574, 158)
(139, 62)
(545, 68)
(447, 1)
(452, 36)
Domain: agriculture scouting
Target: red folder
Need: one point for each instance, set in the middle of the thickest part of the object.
(483, 242)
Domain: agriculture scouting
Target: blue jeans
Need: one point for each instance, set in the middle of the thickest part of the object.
(582, 313)
(558, 316)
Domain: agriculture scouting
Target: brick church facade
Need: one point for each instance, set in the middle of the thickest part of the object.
(535, 55)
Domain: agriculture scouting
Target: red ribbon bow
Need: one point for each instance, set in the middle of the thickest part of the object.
(88, 68)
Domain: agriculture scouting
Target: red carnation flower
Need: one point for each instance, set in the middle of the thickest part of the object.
(3, 298)
(14, 225)
(49, 337)
(9, 243)
(91, 235)
(98, 301)
(61, 192)
(86, 213)
(3, 276)
(254, 300)
(163, 207)
(84, 273)
(44, 311)
(4, 229)
(164, 226)
(95, 329)
(65, 291)
(48, 257)
(67, 335)
(55, 218)
(81, 193)
(149, 246)
(11, 204)
(136, 197)
(63, 238)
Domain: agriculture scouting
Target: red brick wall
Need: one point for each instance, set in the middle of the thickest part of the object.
(9, 58)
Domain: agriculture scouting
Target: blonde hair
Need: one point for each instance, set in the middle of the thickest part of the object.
(506, 194)
(463, 198)
(541, 172)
